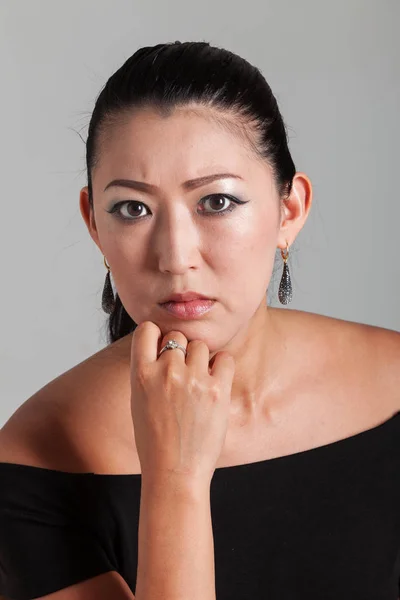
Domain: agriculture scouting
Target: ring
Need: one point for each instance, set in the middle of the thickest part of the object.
(171, 345)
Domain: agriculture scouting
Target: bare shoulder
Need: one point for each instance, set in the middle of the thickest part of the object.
(81, 421)
(343, 330)
(65, 423)
(367, 355)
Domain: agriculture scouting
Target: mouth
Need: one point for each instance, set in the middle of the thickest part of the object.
(191, 309)
(185, 297)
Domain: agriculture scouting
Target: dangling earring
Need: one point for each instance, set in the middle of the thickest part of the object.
(107, 300)
(285, 287)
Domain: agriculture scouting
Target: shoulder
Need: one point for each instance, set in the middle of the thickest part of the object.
(78, 422)
(343, 333)
(81, 421)
(355, 353)
(361, 343)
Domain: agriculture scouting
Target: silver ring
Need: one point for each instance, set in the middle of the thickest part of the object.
(171, 345)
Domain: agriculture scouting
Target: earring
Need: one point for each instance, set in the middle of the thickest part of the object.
(107, 300)
(285, 287)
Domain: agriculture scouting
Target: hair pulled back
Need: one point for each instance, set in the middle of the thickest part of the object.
(169, 75)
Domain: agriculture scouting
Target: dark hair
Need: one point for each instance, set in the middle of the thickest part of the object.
(167, 75)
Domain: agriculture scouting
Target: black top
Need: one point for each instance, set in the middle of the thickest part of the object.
(321, 524)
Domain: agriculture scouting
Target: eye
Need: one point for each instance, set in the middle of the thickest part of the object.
(218, 201)
(134, 206)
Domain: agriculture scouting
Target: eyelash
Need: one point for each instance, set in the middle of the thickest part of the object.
(232, 207)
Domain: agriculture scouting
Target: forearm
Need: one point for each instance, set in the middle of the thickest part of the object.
(175, 542)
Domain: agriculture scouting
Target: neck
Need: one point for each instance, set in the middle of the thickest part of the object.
(259, 351)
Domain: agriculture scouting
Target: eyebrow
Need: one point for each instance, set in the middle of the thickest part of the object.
(191, 184)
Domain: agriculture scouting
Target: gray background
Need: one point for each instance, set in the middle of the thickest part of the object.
(334, 68)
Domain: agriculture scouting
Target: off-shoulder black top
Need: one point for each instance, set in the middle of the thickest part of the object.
(321, 524)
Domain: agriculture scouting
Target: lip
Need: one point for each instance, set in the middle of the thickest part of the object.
(188, 310)
(185, 297)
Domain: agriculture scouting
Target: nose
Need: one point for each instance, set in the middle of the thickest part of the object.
(176, 243)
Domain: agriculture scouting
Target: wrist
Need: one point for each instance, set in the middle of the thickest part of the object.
(176, 484)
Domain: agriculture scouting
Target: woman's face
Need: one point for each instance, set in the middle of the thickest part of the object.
(176, 237)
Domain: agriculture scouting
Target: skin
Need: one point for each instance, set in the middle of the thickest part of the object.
(302, 380)
(177, 247)
(328, 378)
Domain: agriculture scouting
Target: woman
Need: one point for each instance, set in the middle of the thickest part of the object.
(218, 447)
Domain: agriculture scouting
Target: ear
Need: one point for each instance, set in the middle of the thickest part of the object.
(88, 215)
(295, 209)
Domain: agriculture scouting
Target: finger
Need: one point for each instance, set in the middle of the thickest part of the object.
(223, 368)
(198, 356)
(178, 337)
(145, 340)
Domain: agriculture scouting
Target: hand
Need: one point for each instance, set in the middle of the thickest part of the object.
(180, 406)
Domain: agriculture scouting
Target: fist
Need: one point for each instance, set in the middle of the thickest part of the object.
(180, 405)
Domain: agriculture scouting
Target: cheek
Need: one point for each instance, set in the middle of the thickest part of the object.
(127, 268)
(243, 262)
(250, 246)
(239, 262)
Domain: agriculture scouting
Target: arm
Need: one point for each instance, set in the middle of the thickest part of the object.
(175, 541)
